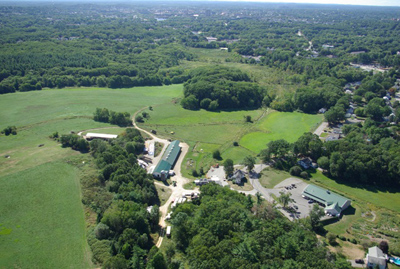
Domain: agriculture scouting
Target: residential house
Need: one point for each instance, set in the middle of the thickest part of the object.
(306, 163)
(376, 257)
(238, 176)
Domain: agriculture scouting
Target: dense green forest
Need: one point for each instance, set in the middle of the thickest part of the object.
(214, 88)
(226, 229)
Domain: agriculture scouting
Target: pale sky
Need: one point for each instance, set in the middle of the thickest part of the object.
(341, 2)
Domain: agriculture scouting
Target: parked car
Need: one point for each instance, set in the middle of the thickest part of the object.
(310, 201)
(360, 261)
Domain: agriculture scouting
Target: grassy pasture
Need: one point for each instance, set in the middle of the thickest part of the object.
(26, 108)
(174, 114)
(199, 155)
(42, 212)
(279, 125)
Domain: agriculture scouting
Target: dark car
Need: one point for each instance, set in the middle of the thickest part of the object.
(360, 261)
(310, 201)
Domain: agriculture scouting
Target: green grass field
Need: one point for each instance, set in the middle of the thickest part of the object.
(174, 114)
(279, 125)
(43, 215)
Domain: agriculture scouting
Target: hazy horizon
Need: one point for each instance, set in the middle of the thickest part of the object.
(395, 3)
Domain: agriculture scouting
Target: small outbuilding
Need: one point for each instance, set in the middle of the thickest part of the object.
(90, 136)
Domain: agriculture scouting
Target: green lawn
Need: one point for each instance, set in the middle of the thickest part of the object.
(350, 216)
(43, 215)
(236, 154)
(174, 114)
(279, 125)
(271, 177)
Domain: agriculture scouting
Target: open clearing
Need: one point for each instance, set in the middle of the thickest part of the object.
(42, 211)
(279, 125)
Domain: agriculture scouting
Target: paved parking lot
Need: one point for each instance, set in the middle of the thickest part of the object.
(303, 207)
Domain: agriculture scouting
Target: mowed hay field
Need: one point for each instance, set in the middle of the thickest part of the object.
(42, 219)
(279, 125)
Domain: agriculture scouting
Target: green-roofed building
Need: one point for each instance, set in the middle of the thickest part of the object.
(168, 160)
(334, 203)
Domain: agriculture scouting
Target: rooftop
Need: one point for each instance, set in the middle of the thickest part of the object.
(324, 196)
(171, 153)
(105, 136)
(169, 157)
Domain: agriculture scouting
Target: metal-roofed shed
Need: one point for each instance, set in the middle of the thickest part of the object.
(90, 136)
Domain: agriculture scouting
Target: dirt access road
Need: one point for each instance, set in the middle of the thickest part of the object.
(178, 190)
